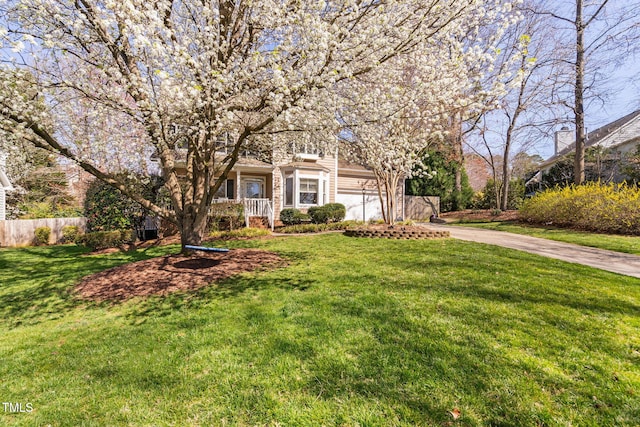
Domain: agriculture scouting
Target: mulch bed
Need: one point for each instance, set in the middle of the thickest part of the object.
(171, 273)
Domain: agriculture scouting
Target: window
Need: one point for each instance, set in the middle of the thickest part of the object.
(288, 191)
(252, 188)
(308, 191)
(226, 190)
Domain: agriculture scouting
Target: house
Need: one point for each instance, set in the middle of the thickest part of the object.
(304, 176)
(619, 137)
(5, 186)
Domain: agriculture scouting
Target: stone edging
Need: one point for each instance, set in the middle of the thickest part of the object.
(398, 234)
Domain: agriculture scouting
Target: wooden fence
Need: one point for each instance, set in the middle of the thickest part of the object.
(420, 208)
(21, 232)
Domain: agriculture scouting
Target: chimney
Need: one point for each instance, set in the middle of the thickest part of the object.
(563, 138)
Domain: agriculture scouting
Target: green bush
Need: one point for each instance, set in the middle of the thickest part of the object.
(42, 235)
(486, 199)
(291, 216)
(316, 228)
(226, 216)
(70, 233)
(241, 233)
(441, 181)
(331, 212)
(604, 208)
(106, 239)
(106, 208)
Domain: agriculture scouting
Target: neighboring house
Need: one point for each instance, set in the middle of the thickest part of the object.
(618, 138)
(303, 177)
(5, 186)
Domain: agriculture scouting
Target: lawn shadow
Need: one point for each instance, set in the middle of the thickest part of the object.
(37, 283)
(230, 288)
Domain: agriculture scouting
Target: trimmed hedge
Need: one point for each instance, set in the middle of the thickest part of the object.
(241, 233)
(331, 212)
(106, 239)
(291, 216)
(316, 228)
(603, 208)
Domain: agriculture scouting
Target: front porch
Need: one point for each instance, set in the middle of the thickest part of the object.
(254, 208)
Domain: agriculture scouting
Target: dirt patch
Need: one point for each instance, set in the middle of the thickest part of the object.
(171, 273)
(480, 215)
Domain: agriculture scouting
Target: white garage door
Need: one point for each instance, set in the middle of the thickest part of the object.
(353, 203)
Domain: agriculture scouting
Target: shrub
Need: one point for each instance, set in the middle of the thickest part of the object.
(316, 228)
(70, 233)
(605, 208)
(291, 216)
(106, 208)
(241, 233)
(486, 199)
(331, 212)
(107, 239)
(42, 235)
(226, 216)
(442, 183)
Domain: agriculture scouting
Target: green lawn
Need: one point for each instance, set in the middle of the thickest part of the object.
(617, 243)
(353, 332)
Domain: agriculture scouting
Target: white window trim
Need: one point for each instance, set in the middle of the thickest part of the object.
(261, 179)
(321, 177)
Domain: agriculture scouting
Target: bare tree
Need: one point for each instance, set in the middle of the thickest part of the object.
(601, 32)
(530, 75)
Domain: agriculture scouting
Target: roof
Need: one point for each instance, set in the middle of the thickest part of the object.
(305, 165)
(345, 167)
(596, 137)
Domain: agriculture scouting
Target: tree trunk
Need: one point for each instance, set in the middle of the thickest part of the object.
(578, 168)
(459, 159)
(192, 226)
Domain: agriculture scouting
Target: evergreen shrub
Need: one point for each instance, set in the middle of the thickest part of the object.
(70, 233)
(106, 239)
(291, 216)
(331, 212)
(42, 235)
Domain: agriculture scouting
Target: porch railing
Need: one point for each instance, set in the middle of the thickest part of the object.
(254, 207)
(260, 208)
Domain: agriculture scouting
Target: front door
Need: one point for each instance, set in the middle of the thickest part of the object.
(252, 188)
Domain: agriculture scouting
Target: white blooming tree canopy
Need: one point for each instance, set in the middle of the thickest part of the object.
(394, 113)
(109, 83)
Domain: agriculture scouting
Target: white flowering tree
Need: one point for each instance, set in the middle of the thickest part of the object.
(124, 79)
(392, 115)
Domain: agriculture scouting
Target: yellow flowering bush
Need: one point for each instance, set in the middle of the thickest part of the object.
(607, 208)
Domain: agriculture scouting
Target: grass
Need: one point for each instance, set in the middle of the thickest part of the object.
(612, 242)
(353, 332)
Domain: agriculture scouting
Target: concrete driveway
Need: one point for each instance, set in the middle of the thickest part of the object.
(615, 262)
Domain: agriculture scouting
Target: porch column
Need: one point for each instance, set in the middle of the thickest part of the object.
(276, 192)
(238, 186)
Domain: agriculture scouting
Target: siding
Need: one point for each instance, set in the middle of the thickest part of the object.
(3, 201)
(329, 162)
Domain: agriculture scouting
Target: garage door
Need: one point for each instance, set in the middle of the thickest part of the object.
(353, 203)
